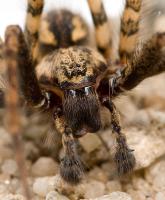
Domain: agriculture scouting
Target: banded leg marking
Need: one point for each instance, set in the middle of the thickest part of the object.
(129, 29)
(103, 37)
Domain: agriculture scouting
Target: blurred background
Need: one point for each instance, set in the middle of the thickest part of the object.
(13, 12)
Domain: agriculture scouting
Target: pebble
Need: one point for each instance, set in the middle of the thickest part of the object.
(94, 189)
(115, 196)
(43, 185)
(157, 116)
(5, 137)
(3, 188)
(53, 195)
(112, 186)
(90, 142)
(160, 195)
(155, 175)
(101, 175)
(6, 152)
(148, 146)
(9, 167)
(45, 166)
(13, 197)
(142, 186)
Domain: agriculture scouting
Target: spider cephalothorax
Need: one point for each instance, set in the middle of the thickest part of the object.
(72, 83)
(74, 74)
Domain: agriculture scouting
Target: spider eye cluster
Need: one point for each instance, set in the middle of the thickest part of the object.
(81, 91)
(67, 68)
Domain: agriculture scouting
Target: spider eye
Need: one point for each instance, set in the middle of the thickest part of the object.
(86, 91)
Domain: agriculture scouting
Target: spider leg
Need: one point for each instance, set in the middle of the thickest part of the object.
(13, 119)
(71, 167)
(124, 157)
(147, 61)
(129, 29)
(27, 79)
(103, 36)
(33, 19)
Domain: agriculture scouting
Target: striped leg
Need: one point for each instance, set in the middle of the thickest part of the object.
(103, 37)
(71, 167)
(147, 61)
(33, 18)
(129, 29)
(124, 157)
(13, 117)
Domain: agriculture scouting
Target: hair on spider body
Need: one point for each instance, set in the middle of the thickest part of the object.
(72, 83)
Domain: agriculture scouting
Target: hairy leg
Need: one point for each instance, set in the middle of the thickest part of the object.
(129, 29)
(71, 167)
(27, 79)
(124, 157)
(103, 37)
(147, 61)
(33, 19)
(13, 115)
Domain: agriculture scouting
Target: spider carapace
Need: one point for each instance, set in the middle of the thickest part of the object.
(74, 74)
(71, 82)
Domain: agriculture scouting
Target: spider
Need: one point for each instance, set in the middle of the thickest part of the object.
(56, 73)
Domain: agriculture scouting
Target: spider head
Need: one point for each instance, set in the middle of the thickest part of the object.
(74, 74)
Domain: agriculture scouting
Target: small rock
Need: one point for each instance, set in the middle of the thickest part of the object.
(160, 195)
(101, 175)
(125, 105)
(141, 185)
(9, 167)
(13, 197)
(3, 189)
(44, 166)
(141, 118)
(94, 189)
(137, 195)
(148, 146)
(115, 196)
(113, 186)
(44, 185)
(90, 142)
(155, 175)
(5, 137)
(6, 152)
(53, 195)
(157, 116)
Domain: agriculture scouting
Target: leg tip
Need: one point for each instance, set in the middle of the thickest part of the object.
(125, 161)
(71, 170)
